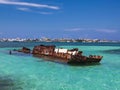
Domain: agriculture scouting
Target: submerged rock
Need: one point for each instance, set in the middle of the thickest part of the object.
(6, 83)
(113, 51)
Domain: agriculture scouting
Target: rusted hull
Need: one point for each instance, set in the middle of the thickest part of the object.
(70, 62)
(52, 58)
(24, 50)
(87, 61)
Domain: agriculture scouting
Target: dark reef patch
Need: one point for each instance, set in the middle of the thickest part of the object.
(7, 83)
(113, 51)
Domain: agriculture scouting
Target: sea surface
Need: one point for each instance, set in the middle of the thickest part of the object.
(24, 72)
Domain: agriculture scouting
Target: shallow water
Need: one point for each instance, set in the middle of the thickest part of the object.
(25, 72)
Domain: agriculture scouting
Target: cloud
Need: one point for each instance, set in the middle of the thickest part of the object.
(30, 10)
(92, 29)
(75, 29)
(45, 13)
(106, 30)
(35, 5)
(23, 9)
(0, 33)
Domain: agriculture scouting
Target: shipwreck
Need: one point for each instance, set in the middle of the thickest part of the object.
(72, 56)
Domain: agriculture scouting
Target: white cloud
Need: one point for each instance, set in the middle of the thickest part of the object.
(45, 13)
(74, 29)
(92, 29)
(30, 10)
(1, 33)
(106, 30)
(11, 2)
(23, 9)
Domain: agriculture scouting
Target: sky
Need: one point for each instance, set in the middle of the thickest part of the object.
(94, 19)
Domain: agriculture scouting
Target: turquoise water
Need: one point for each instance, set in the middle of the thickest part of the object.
(25, 72)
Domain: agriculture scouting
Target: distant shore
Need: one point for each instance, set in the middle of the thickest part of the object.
(56, 40)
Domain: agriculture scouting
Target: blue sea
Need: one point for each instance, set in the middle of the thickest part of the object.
(24, 72)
